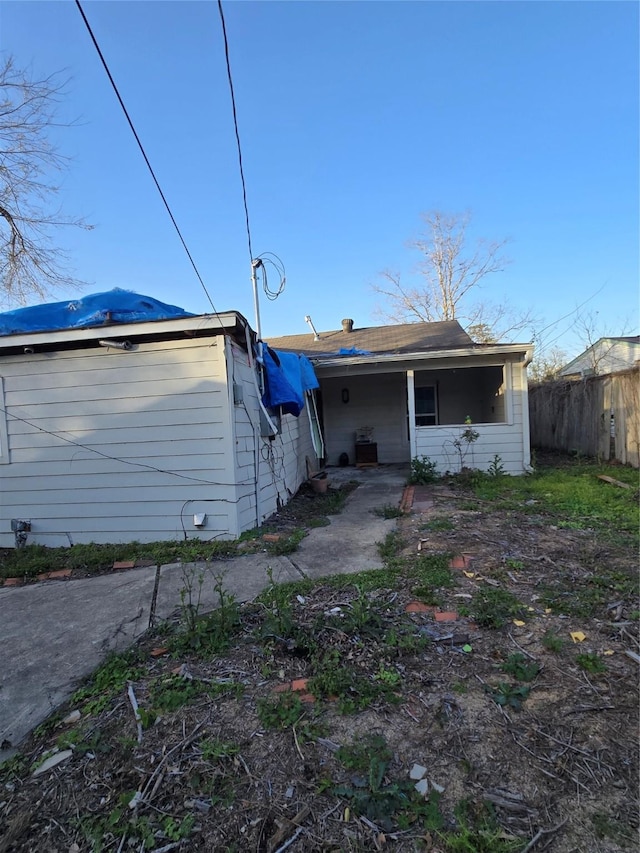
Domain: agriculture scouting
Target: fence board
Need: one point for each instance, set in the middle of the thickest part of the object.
(578, 415)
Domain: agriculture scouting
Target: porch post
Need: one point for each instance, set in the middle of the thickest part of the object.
(411, 408)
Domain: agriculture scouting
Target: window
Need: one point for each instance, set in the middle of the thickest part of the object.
(426, 406)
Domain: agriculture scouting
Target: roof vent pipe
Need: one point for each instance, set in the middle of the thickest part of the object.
(347, 325)
(316, 336)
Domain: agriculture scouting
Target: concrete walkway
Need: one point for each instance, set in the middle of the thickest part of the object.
(53, 634)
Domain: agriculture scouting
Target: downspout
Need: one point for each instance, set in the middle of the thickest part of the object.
(526, 432)
(411, 406)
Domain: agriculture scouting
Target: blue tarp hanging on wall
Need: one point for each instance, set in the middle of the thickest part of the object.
(97, 309)
(287, 377)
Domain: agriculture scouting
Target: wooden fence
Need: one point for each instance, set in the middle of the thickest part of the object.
(596, 416)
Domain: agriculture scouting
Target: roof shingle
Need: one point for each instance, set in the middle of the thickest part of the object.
(403, 338)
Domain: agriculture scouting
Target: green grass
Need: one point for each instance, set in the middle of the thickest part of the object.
(492, 607)
(92, 558)
(573, 495)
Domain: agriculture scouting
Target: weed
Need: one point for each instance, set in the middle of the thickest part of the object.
(388, 676)
(277, 602)
(280, 713)
(438, 524)
(432, 573)
(520, 667)
(92, 558)
(404, 641)
(212, 633)
(606, 826)
(362, 618)
(378, 799)
(107, 681)
(354, 692)
(511, 563)
(491, 607)
(387, 511)
(591, 662)
(391, 546)
(496, 468)
(423, 471)
(509, 695)
(459, 687)
(478, 832)
(552, 642)
(591, 594)
(287, 545)
(173, 692)
(175, 831)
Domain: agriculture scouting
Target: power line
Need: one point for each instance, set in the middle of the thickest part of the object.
(143, 152)
(235, 124)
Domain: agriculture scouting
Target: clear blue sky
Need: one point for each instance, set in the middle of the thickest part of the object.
(355, 117)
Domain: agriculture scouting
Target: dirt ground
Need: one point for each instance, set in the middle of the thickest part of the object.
(519, 708)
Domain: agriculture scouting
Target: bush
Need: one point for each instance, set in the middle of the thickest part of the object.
(423, 471)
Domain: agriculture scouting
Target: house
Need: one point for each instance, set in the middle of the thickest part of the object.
(607, 355)
(124, 419)
(411, 390)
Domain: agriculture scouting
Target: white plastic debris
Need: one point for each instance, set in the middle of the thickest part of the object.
(417, 771)
(53, 761)
(422, 787)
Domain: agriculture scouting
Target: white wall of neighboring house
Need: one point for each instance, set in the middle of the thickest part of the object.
(111, 446)
(607, 355)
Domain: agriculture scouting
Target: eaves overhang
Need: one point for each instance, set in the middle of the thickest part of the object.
(522, 352)
(202, 325)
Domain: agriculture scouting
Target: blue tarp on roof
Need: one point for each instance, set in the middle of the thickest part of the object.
(97, 309)
(287, 377)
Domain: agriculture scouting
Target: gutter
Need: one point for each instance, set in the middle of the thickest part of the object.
(525, 350)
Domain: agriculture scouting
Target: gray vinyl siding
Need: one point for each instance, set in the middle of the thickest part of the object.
(113, 446)
(281, 460)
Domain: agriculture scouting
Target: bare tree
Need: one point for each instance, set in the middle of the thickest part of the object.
(600, 342)
(450, 273)
(547, 365)
(31, 264)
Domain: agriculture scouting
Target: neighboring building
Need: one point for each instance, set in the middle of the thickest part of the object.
(140, 429)
(607, 355)
(410, 389)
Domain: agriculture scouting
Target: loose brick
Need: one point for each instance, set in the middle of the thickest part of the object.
(60, 574)
(418, 607)
(445, 616)
(119, 565)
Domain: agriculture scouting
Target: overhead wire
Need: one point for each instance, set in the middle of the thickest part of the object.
(143, 152)
(235, 125)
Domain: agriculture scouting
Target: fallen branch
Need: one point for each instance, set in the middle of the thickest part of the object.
(281, 840)
(632, 655)
(614, 482)
(542, 832)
